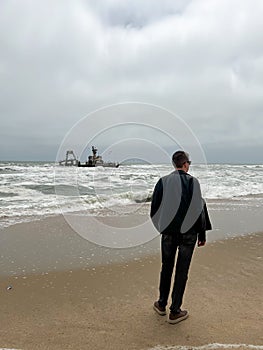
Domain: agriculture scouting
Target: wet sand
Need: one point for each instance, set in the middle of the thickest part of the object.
(105, 301)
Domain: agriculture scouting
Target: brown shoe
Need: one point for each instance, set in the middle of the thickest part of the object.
(178, 317)
(159, 309)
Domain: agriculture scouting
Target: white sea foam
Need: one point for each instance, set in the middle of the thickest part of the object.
(213, 346)
(29, 190)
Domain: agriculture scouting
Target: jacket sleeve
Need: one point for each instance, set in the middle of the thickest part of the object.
(156, 198)
(202, 236)
(208, 225)
(203, 224)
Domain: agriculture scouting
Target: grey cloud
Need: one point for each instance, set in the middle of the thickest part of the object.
(200, 59)
(135, 14)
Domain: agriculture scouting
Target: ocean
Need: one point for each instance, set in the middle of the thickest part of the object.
(34, 190)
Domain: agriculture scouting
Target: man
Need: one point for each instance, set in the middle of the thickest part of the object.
(179, 213)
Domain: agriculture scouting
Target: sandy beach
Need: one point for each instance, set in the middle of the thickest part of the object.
(108, 305)
(114, 112)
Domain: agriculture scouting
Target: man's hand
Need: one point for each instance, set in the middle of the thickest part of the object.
(201, 239)
(200, 243)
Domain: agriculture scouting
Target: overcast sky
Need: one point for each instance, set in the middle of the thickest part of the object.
(201, 59)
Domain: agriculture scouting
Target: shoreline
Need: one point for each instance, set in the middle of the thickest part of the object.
(61, 291)
(251, 202)
(51, 244)
(110, 306)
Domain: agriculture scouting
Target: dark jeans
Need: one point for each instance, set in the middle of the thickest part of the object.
(169, 245)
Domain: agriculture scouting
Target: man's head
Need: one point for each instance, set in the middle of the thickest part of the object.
(181, 160)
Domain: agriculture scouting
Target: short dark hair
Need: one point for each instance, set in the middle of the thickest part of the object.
(179, 158)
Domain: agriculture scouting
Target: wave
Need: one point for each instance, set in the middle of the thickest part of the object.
(30, 188)
(63, 190)
(7, 170)
(249, 196)
(132, 197)
(8, 194)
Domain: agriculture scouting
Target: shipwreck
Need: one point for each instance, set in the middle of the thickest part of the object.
(93, 160)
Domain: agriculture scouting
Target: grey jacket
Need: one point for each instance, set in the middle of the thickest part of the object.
(177, 206)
